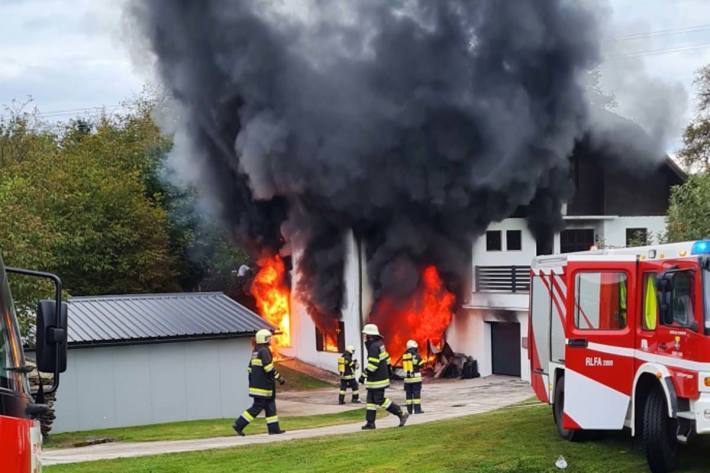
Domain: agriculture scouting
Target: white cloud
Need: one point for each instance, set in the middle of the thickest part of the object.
(66, 55)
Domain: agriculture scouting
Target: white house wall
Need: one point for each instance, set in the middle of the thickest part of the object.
(470, 333)
(146, 384)
(303, 338)
(611, 230)
(615, 230)
(524, 256)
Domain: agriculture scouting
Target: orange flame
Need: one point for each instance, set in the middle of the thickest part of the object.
(423, 317)
(271, 291)
(330, 342)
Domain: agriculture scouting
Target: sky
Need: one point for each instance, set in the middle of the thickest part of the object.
(71, 57)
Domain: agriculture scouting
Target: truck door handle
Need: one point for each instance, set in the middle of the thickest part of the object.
(578, 343)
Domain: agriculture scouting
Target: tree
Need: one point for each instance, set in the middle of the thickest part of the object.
(695, 154)
(689, 210)
(70, 206)
(200, 249)
(92, 202)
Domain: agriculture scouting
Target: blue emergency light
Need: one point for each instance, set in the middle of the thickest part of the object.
(701, 247)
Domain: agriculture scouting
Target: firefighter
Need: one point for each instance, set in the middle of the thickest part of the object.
(262, 386)
(412, 363)
(376, 377)
(347, 365)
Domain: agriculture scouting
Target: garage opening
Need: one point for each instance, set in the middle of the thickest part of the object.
(505, 347)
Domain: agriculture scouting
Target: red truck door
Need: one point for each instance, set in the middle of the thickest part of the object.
(677, 339)
(599, 362)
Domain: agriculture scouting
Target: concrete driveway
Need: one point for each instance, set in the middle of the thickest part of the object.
(441, 399)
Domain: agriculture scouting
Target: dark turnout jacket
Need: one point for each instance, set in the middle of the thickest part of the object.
(377, 371)
(262, 374)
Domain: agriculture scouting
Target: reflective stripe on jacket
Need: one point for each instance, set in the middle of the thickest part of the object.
(377, 370)
(262, 373)
(412, 364)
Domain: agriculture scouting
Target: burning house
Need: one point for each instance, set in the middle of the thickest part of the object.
(609, 208)
(381, 145)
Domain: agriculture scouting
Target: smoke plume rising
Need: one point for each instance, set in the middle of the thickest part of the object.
(414, 122)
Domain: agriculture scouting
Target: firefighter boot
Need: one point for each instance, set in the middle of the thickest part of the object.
(356, 397)
(409, 406)
(341, 393)
(394, 409)
(403, 418)
(274, 429)
(418, 406)
(240, 423)
(370, 417)
(238, 430)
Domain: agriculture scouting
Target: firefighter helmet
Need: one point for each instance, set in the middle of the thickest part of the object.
(263, 336)
(371, 329)
(412, 344)
(350, 349)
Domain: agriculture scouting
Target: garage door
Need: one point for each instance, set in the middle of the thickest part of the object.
(505, 341)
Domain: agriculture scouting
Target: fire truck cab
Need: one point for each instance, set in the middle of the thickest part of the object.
(621, 338)
(20, 409)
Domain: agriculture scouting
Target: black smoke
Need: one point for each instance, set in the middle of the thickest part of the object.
(415, 123)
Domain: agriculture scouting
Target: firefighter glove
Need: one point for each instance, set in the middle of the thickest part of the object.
(362, 379)
(281, 380)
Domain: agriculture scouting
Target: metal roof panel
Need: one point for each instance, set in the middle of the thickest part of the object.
(110, 319)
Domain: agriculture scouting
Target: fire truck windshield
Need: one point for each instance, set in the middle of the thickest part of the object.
(11, 356)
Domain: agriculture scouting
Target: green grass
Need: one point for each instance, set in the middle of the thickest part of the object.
(199, 429)
(297, 381)
(517, 439)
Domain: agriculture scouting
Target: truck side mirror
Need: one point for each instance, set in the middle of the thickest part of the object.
(51, 337)
(664, 286)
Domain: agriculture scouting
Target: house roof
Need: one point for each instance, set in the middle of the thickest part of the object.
(146, 318)
(675, 168)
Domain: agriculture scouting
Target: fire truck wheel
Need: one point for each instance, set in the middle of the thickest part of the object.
(558, 410)
(659, 433)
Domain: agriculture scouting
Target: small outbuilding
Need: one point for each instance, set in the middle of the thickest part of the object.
(154, 358)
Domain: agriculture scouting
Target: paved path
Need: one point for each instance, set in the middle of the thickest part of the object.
(442, 399)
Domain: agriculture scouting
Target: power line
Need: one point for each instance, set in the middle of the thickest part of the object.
(666, 32)
(78, 111)
(653, 52)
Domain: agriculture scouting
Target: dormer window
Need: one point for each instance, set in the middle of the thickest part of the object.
(514, 240)
(494, 240)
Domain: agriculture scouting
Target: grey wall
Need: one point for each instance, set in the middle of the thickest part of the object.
(148, 384)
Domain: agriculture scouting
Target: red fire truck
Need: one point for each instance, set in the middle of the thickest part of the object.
(621, 338)
(20, 409)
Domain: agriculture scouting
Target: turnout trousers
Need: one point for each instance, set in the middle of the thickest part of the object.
(376, 398)
(413, 393)
(344, 385)
(267, 404)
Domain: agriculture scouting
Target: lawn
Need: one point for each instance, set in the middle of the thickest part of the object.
(297, 381)
(517, 439)
(199, 429)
